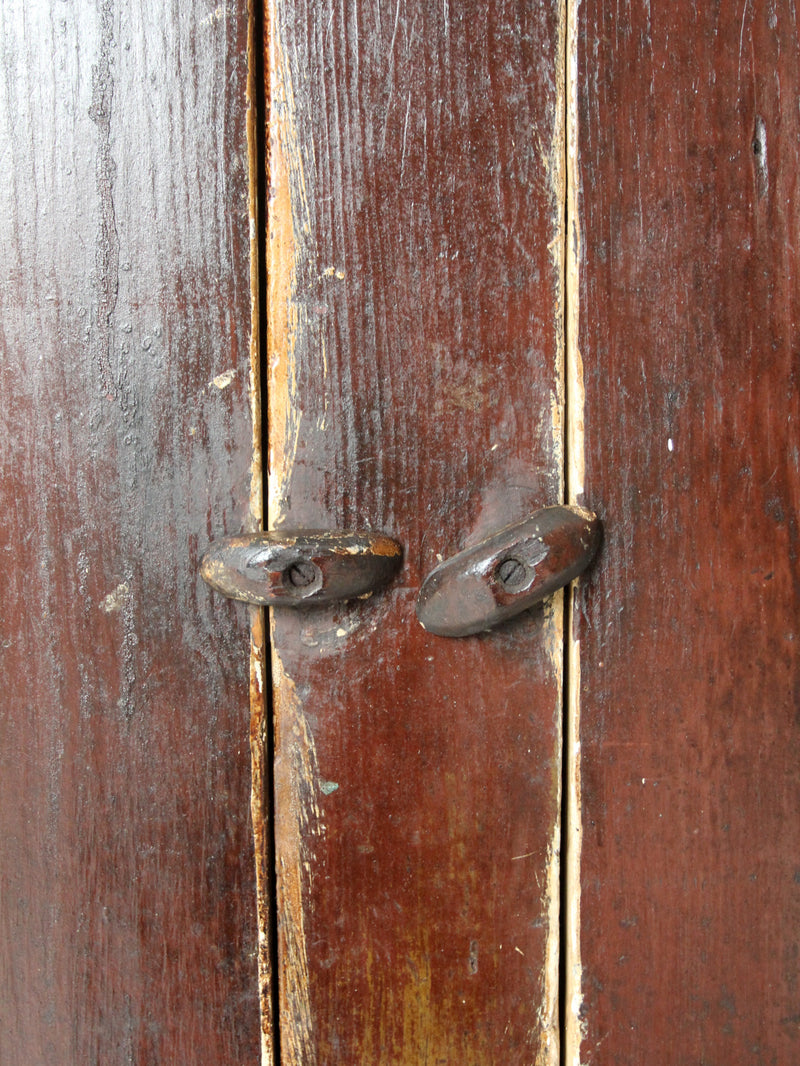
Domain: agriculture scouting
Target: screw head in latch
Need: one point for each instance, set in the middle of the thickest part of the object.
(511, 573)
(302, 577)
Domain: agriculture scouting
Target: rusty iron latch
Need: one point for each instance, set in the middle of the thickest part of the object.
(300, 568)
(509, 572)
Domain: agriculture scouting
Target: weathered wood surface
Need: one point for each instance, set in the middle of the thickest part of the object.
(127, 900)
(415, 300)
(689, 627)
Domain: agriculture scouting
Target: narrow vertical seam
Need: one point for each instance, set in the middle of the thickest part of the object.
(571, 814)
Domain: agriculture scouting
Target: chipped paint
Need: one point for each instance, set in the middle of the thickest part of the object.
(553, 631)
(548, 1052)
(116, 600)
(223, 380)
(327, 634)
(298, 824)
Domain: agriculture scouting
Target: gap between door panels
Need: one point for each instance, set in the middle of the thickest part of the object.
(570, 1002)
(261, 710)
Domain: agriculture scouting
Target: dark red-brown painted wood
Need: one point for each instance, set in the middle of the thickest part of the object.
(127, 897)
(415, 250)
(690, 625)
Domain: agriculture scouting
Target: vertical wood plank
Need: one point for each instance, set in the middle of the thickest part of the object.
(415, 300)
(688, 629)
(127, 916)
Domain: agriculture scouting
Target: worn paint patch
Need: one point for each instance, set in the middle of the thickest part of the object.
(223, 380)
(297, 824)
(116, 600)
(547, 1015)
(288, 224)
(553, 631)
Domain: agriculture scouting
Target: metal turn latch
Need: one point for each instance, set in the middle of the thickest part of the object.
(300, 568)
(514, 569)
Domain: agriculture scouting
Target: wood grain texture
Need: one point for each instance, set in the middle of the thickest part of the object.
(689, 627)
(127, 899)
(415, 294)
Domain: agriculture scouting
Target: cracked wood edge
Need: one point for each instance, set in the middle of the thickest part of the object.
(548, 1014)
(295, 790)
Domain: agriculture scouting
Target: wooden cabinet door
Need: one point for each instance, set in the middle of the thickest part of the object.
(684, 887)
(127, 897)
(415, 385)
(466, 292)
(510, 253)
